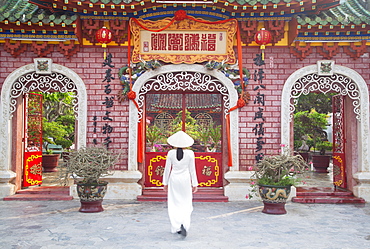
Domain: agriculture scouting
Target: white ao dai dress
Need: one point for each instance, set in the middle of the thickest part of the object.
(180, 176)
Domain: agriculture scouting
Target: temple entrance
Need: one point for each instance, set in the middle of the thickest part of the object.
(200, 115)
(186, 98)
(21, 83)
(351, 108)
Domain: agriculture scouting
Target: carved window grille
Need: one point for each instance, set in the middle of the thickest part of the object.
(338, 123)
(203, 119)
(325, 84)
(33, 82)
(163, 120)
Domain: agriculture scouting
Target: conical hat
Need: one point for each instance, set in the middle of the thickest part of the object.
(180, 140)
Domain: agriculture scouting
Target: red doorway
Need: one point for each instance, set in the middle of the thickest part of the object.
(198, 114)
(32, 159)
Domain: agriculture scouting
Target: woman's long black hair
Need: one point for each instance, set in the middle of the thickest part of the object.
(179, 154)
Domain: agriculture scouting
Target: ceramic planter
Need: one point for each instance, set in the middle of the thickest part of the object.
(305, 155)
(274, 198)
(91, 196)
(321, 163)
(50, 162)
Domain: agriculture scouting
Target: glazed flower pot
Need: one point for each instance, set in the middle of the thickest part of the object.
(274, 198)
(91, 196)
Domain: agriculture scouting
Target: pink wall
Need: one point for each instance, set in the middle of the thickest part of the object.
(276, 73)
(88, 65)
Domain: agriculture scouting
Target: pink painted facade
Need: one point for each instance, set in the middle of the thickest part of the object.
(280, 64)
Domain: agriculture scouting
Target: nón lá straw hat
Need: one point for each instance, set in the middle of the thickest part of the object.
(180, 140)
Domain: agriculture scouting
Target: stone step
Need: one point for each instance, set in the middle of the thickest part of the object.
(38, 197)
(47, 193)
(45, 190)
(317, 191)
(325, 196)
(328, 200)
(203, 195)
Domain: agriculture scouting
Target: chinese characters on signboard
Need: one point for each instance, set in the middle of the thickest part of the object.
(183, 42)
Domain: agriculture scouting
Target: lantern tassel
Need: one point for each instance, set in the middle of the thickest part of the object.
(262, 52)
(104, 46)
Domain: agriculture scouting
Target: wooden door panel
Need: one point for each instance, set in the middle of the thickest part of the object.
(339, 166)
(32, 164)
(208, 167)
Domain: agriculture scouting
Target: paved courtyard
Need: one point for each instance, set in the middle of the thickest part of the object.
(130, 224)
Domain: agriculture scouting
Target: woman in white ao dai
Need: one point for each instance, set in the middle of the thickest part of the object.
(180, 182)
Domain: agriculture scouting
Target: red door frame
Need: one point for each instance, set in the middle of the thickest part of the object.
(209, 165)
(32, 157)
(339, 159)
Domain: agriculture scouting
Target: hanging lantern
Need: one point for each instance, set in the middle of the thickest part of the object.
(262, 38)
(104, 36)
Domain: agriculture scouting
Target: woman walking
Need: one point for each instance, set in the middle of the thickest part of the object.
(180, 182)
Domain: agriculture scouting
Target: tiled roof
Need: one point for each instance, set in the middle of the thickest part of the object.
(349, 21)
(23, 19)
(66, 19)
(193, 101)
(350, 12)
(108, 9)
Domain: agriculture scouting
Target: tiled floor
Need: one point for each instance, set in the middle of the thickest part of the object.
(320, 179)
(50, 179)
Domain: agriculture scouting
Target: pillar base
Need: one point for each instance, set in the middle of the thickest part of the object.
(239, 187)
(362, 189)
(6, 187)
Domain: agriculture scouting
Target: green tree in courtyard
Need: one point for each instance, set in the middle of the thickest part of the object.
(59, 119)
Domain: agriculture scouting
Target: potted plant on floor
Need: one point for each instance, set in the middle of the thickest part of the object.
(313, 124)
(321, 161)
(87, 165)
(50, 161)
(275, 175)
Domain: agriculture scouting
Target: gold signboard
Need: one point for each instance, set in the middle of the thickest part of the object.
(185, 41)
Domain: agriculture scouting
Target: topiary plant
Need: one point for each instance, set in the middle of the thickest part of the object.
(89, 164)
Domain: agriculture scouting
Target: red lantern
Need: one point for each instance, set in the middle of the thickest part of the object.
(262, 38)
(104, 36)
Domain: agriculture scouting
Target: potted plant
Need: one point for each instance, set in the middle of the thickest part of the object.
(57, 127)
(50, 161)
(215, 134)
(153, 134)
(313, 124)
(321, 161)
(87, 165)
(275, 175)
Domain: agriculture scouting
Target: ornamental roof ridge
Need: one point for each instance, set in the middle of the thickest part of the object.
(59, 18)
(23, 12)
(351, 11)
